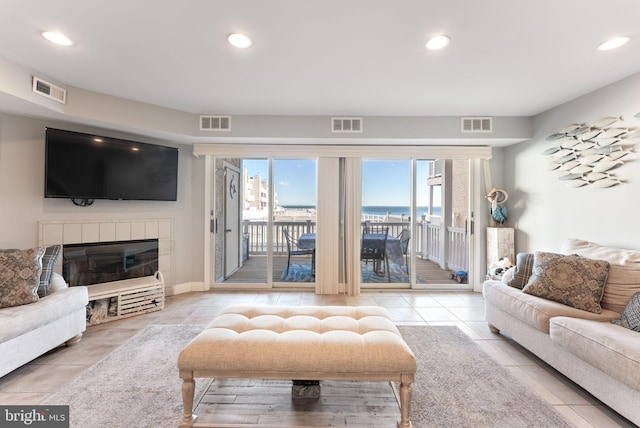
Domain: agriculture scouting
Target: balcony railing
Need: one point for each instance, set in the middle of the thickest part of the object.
(428, 241)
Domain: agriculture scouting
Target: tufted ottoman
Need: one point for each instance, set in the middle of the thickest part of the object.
(299, 343)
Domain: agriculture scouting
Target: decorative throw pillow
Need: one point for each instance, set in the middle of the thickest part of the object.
(631, 315)
(572, 280)
(48, 263)
(524, 265)
(57, 282)
(20, 276)
(622, 284)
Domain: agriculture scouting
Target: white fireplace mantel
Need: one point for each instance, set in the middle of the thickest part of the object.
(88, 231)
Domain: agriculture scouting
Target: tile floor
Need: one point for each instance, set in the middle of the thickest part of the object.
(32, 382)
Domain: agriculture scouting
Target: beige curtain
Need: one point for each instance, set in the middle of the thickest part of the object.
(350, 213)
(328, 227)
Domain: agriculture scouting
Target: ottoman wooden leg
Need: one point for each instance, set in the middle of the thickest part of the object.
(188, 392)
(405, 401)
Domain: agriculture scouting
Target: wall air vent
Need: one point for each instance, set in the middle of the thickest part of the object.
(476, 124)
(215, 123)
(49, 90)
(346, 124)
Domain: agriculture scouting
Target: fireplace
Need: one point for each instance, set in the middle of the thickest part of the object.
(99, 262)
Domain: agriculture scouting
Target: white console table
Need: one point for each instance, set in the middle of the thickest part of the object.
(134, 296)
(500, 243)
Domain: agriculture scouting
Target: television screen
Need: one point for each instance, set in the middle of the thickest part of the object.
(84, 166)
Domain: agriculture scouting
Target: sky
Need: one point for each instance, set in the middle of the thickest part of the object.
(384, 183)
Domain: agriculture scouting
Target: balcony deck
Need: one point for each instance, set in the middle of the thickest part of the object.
(254, 271)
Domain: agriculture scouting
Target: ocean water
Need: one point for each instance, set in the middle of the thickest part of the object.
(397, 211)
(379, 210)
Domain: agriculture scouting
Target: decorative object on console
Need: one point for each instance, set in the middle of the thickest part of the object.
(571, 280)
(20, 276)
(585, 154)
(631, 315)
(498, 197)
(497, 269)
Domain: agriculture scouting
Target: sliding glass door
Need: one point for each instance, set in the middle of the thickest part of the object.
(424, 232)
(294, 220)
(305, 222)
(386, 222)
(276, 219)
(443, 232)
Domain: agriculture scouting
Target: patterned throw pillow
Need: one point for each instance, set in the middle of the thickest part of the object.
(572, 280)
(48, 263)
(631, 315)
(524, 266)
(20, 276)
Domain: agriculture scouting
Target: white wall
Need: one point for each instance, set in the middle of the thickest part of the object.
(22, 203)
(543, 210)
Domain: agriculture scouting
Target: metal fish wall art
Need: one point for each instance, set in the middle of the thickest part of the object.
(577, 183)
(567, 166)
(585, 154)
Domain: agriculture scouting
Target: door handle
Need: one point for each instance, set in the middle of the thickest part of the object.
(228, 230)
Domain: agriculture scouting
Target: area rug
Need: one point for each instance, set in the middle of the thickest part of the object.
(301, 272)
(457, 384)
(298, 272)
(135, 385)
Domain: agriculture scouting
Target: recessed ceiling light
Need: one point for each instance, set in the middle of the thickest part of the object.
(57, 38)
(614, 43)
(239, 40)
(437, 42)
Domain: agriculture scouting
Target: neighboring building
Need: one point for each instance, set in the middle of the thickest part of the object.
(256, 193)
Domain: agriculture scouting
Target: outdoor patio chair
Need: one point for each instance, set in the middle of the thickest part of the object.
(375, 228)
(404, 238)
(293, 250)
(375, 248)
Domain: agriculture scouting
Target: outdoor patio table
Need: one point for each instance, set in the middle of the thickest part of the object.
(307, 241)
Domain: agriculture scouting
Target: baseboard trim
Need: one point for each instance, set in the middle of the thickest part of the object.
(187, 287)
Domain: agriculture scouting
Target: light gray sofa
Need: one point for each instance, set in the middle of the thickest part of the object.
(28, 331)
(602, 357)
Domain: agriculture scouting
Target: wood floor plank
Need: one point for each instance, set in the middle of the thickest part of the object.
(239, 403)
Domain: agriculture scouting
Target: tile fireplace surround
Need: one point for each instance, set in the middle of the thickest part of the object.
(85, 231)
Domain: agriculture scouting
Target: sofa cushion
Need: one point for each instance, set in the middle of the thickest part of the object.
(573, 280)
(524, 266)
(624, 273)
(613, 255)
(532, 310)
(18, 320)
(20, 276)
(612, 349)
(49, 260)
(630, 317)
(622, 283)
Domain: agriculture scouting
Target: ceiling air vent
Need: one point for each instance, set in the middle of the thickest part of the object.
(477, 124)
(49, 90)
(346, 124)
(215, 123)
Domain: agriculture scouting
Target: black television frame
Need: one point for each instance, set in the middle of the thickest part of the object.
(85, 167)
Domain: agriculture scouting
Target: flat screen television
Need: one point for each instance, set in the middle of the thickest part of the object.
(85, 167)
